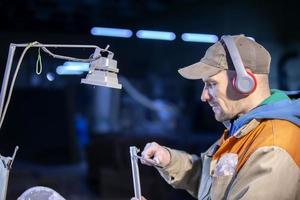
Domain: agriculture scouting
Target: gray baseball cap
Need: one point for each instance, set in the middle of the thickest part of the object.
(254, 56)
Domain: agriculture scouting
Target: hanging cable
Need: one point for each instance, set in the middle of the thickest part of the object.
(38, 64)
(13, 81)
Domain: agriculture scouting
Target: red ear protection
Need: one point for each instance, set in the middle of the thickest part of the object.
(250, 83)
(244, 81)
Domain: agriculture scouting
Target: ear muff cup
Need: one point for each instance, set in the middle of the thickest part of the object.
(239, 90)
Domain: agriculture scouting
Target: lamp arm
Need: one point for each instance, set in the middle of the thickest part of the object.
(43, 47)
(68, 57)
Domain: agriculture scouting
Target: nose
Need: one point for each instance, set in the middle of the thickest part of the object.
(205, 95)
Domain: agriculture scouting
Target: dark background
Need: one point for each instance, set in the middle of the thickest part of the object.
(75, 138)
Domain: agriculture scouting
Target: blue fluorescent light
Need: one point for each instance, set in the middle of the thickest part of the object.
(77, 66)
(156, 35)
(198, 37)
(111, 32)
(72, 68)
(62, 70)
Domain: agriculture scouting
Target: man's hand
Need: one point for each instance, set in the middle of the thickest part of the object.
(154, 152)
(143, 198)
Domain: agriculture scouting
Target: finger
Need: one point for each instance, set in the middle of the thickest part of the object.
(150, 150)
(145, 152)
(156, 160)
(148, 162)
(162, 157)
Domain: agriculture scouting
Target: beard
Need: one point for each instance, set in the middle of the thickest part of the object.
(221, 115)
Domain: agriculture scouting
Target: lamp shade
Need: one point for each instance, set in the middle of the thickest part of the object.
(103, 72)
(102, 78)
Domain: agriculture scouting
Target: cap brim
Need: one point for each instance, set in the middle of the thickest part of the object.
(198, 70)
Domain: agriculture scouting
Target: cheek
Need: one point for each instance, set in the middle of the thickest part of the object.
(233, 93)
(223, 105)
(217, 94)
(223, 102)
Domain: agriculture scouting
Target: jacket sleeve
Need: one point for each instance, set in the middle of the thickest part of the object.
(269, 173)
(183, 171)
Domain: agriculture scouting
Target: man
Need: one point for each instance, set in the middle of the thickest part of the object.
(258, 155)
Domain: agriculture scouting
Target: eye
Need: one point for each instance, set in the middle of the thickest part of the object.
(211, 84)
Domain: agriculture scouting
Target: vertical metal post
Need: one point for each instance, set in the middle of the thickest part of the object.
(4, 174)
(9, 61)
(135, 172)
(4, 161)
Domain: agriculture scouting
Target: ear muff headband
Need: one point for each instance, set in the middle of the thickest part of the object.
(244, 82)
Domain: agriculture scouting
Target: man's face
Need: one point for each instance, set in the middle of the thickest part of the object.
(219, 93)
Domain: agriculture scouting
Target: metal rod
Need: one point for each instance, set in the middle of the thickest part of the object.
(57, 45)
(62, 46)
(9, 61)
(135, 172)
(4, 175)
(13, 158)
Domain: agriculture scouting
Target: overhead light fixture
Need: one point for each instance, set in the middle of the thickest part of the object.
(156, 35)
(111, 32)
(199, 37)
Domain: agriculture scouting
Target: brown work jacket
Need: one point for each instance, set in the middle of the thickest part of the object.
(261, 161)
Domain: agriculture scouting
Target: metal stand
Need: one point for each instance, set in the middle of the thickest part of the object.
(103, 72)
(135, 172)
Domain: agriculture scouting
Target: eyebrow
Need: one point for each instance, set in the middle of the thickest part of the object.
(209, 80)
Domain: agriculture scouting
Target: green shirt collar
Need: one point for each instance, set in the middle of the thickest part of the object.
(276, 95)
